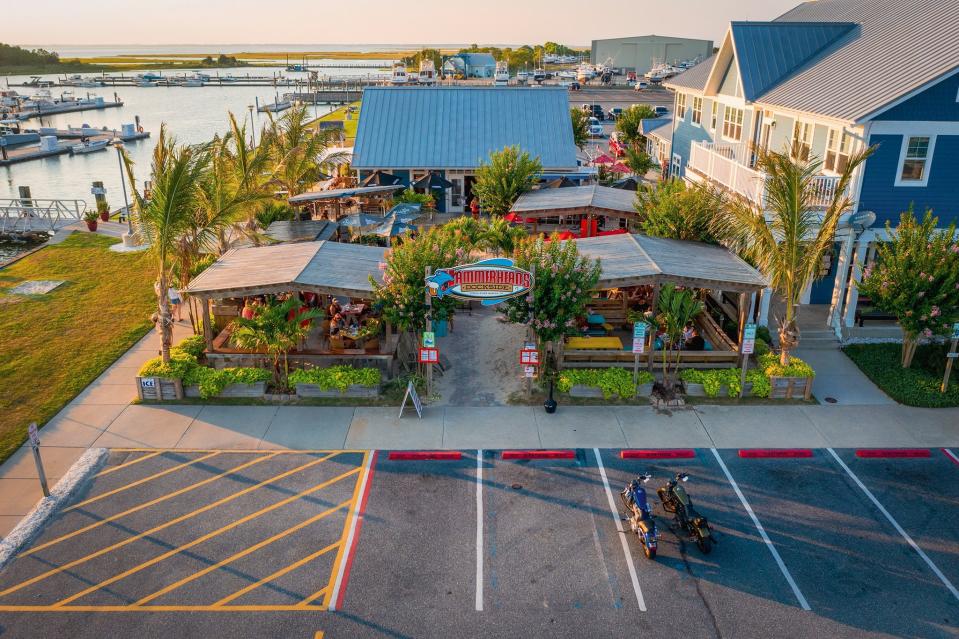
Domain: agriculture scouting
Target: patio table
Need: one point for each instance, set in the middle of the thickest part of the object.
(595, 343)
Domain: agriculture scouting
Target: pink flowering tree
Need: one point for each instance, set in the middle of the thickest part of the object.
(562, 282)
(916, 278)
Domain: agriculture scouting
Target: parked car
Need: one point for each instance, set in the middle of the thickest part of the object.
(661, 111)
(595, 128)
(614, 113)
(641, 85)
(595, 110)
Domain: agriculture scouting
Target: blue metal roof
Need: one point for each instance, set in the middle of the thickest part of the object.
(767, 52)
(457, 127)
(477, 59)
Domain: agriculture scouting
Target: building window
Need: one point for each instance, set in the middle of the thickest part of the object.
(675, 169)
(837, 150)
(915, 160)
(715, 116)
(802, 141)
(681, 106)
(733, 124)
(697, 110)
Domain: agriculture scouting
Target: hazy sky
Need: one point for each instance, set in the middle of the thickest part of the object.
(372, 21)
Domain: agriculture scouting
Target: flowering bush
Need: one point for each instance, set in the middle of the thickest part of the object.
(916, 278)
(562, 281)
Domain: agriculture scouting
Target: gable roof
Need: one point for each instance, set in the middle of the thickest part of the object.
(844, 59)
(579, 198)
(457, 127)
(477, 59)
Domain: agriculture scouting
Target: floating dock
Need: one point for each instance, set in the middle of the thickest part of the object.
(59, 108)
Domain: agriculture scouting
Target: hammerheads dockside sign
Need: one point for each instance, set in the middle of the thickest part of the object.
(490, 281)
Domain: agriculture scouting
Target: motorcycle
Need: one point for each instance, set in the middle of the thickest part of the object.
(675, 500)
(640, 518)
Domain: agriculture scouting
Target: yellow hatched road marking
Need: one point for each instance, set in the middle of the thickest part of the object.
(114, 469)
(206, 537)
(276, 575)
(141, 481)
(204, 608)
(241, 554)
(285, 451)
(346, 527)
(322, 592)
(153, 502)
(318, 635)
(163, 526)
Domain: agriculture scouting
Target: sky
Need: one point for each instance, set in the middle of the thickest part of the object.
(420, 22)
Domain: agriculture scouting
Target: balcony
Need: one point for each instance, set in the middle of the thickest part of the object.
(728, 165)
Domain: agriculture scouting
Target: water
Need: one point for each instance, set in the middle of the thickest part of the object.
(193, 115)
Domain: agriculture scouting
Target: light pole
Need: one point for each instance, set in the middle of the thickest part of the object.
(252, 125)
(128, 240)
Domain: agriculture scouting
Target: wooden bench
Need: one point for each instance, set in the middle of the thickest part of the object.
(870, 315)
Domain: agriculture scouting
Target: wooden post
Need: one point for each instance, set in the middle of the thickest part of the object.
(654, 300)
(949, 361)
(207, 324)
(429, 328)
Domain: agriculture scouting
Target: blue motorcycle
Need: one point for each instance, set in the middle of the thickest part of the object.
(640, 519)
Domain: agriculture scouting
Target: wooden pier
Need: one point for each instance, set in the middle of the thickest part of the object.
(57, 109)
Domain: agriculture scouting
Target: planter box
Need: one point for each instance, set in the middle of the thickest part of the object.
(159, 389)
(312, 390)
(578, 390)
(644, 390)
(790, 387)
(694, 390)
(256, 390)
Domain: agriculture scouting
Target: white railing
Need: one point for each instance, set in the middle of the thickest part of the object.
(23, 214)
(728, 165)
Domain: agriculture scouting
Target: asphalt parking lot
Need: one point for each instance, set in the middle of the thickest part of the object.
(356, 543)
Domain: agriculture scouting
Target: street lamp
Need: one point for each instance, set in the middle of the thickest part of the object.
(128, 240)
(252, 125)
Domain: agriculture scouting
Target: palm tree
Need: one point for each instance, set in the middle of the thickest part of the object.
(501, 237)
(296, 150)
(177, 173)
(277, 329)
(787, 235)
(676, 308)
(249, 168)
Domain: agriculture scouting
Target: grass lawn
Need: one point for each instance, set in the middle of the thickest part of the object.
(339, 115)
(915, 386)
(55, 344)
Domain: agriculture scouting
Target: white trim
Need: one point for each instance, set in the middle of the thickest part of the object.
(676, 161)
(692, 111)
(930, 152)
(906, 96)
(806, 115)
(354, 516)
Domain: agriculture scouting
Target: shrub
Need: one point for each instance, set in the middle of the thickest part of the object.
(761, 385)
(180, 364)
(212, 381)
(712, 380)
(193, 345)
(915, 386)
(338, 377)
(769, 364)
(612, 381)
(761, 347)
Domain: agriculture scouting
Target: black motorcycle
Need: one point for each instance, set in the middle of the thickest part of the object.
(676, 501)
(640, 519)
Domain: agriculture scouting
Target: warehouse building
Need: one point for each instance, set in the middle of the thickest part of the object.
(640, 53)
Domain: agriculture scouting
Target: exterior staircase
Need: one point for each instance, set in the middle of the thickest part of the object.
(818, 339)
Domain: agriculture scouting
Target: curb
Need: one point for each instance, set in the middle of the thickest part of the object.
(34, 521)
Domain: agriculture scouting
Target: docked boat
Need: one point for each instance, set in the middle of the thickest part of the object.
(501, 76)
(192, 82)
(427, 74)
(400, 76)
(11, 134)
(539, 75)
(585, 73)
(522, 76)
(89, 83)
(147, 83)
(567, 74)
(91, 146)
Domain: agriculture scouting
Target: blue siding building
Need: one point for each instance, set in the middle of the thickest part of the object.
(823, 81)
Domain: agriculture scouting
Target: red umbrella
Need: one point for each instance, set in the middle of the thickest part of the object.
(512, 217)
(603, 159)
(613, 232)
(619, 167)
(563, 235)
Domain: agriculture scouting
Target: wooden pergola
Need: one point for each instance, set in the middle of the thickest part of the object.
(591, 201)
(335, 197)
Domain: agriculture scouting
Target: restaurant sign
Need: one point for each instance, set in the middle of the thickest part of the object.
(490, 281)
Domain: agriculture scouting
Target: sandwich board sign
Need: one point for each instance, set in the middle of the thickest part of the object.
(411, 394)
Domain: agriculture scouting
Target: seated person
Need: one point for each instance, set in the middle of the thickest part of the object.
(337, 324)
(695, 341)
(334, 308)
(248, 311)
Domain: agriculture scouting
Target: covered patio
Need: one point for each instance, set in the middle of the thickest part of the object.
(318, 273)
(634, 268)
(335, 203)
(584, 210)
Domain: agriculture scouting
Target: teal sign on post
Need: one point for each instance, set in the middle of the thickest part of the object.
(639, 337)
(955, 331)
(749, 339)
(429, 339)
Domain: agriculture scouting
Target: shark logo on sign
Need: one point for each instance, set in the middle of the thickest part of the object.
(490, 281)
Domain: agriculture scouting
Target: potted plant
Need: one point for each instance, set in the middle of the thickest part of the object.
(91, 217)
(103, 210)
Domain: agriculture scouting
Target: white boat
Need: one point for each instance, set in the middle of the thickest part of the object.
(88, 147)
(501, 76)
(427, 74)
(539, 75)
(192, 82)
(522, 76)
(89, 83)
(399, 74)
(147, 83)
(11, 134)
(567, 74)
(585, 73)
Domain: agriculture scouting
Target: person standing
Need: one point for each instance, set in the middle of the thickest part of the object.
(475, 207)
(176, 303)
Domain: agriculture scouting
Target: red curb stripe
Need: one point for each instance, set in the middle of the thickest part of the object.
(774, 453)
(951, 455)
(445, 455)
(539, 454)
(676, 453)
(892, 452)
(356, 534)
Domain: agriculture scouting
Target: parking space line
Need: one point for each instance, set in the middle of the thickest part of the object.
(239, 555)
(167, 524)
(762, 533)
(142, 481)
(316, 595)
(276, 575)
(152, 502)
(951, 455)
(114, 469)
(207, 536)
(198, 608)
(479, 530)
(622, 534)
(354, 522)
(895, 524)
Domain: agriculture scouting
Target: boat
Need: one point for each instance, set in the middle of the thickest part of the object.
(567, 74)
(501, 76)
(539, 75)
(11, 134)
(399, 74)
(427, 74)
(191, 82)
(147, 83)
(89, 83)
(585, 73)
(149, 76)
(522, 76)
(88, 147)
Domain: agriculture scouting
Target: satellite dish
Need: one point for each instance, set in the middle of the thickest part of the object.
(862, 220)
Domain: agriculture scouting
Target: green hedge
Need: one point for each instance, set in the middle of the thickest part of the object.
(769, 363)
(338, 377)
(915, 386)
(715, 378)
(612, 381)
(183, 366)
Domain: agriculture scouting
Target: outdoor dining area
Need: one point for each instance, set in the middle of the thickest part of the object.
(634, 268)
(575, 211)
(331, 277)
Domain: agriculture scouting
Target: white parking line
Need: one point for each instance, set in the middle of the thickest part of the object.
(479, 530)
(895, 524)
(762, 533)
(619, 528)
(952, 455)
